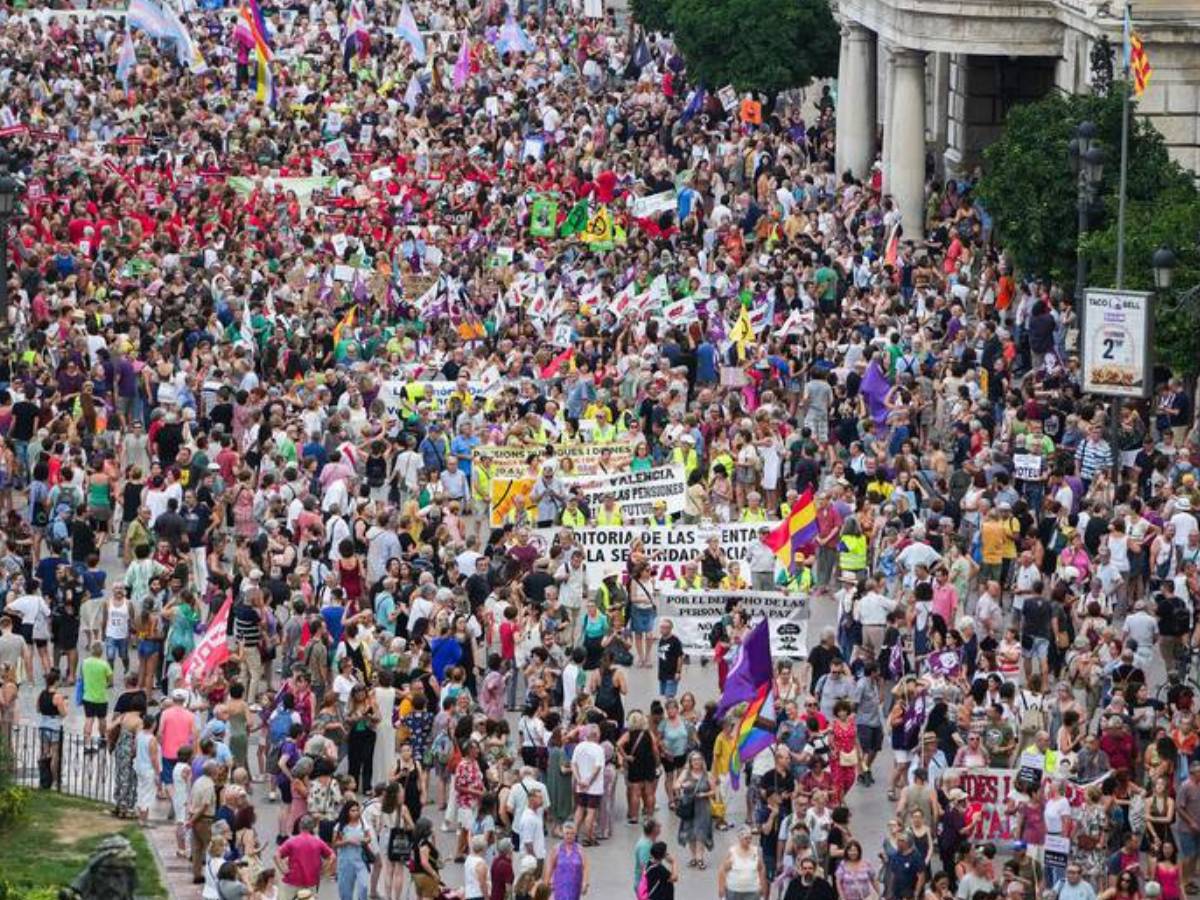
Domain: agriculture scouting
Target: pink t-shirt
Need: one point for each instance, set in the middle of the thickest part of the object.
(175, 730)
(304, 854)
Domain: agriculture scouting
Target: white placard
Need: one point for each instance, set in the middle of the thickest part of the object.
(694, 613)
(607, 549)
(644, 207)
(1027, 466)
(728, 97)
(1116, 330)
(636, 493)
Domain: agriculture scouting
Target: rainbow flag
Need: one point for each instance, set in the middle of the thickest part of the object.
(796, 532)
(751, 738)
(253, 27)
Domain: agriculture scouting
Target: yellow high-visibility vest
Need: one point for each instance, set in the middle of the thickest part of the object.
(853, 556)
(609, 518)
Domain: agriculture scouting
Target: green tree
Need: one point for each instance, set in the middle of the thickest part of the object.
(653, 15)
(757, 45)
(1029, 188)
(1171, 219)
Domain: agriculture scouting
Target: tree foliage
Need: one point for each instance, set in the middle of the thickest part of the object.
(757, 45)
(1171, 219)
(1030, 190)
(652, 15)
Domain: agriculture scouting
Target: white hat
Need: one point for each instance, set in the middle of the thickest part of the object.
(1183, 503)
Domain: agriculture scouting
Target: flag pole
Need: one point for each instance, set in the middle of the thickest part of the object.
(1125, 91)
(1115, 425)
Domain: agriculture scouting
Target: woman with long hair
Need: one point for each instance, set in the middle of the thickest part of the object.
(637, 753)
(855, 877)
(351, 843)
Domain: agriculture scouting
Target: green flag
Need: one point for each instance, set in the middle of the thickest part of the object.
(543, 214)
(575, 221)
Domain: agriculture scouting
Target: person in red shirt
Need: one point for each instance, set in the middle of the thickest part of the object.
(303, 857)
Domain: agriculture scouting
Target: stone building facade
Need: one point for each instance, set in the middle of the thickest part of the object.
(936, 78)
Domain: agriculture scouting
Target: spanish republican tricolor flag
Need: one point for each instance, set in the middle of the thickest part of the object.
(796, 532)
(1137, 62)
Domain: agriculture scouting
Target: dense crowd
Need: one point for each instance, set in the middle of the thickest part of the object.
(266, 365)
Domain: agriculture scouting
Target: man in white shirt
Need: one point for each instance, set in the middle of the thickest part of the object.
(531, 829)
(587, 775)
(1184, 521)
(988, 611)
(873, 609)
(422, 606)
(1142, 627)
(573, 588)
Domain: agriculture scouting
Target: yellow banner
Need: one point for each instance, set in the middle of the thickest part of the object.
(510, 497)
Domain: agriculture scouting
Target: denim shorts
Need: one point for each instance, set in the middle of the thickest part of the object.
(643, 620)
(1039, 650)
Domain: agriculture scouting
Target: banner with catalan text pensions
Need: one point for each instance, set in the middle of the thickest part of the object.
(573, 459)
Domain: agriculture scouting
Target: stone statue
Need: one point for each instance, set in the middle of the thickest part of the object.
(111, 873)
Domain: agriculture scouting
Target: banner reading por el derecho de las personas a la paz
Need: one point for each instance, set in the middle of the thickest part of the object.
(510, 461)
(667, 546)
(695, 612)
(636, 493)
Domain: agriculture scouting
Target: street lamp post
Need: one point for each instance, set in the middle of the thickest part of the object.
(1087, 162)
(10, 189)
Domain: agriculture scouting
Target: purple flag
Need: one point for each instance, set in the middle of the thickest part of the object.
(875, 387)
(752, 670)
(462, 66)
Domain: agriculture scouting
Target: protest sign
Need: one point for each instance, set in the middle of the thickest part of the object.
(988, 792)
(543, 217)
(1027, 466)
(584, 459)
(391, 392)
(668, 547)
(510, 496)
(1056, 851)
(636, 493)
(694, 613)
(655, 204)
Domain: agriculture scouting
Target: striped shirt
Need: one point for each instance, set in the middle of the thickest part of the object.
(1091, 457)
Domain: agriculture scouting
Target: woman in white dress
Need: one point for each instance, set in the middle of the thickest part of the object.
(384, 759)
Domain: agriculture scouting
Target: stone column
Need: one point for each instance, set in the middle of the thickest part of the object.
(939, 118)
(856, 101)
(889, 93)
(906, 124)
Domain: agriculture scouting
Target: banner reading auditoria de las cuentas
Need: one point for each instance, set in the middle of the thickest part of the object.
(667, 547)
(695, 612)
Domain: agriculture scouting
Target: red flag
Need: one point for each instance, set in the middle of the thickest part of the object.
(551, 369)
(210, 651)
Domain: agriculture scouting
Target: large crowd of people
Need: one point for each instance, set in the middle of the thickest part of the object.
(266, 359)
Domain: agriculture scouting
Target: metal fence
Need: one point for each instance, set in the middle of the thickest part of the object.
(67, 765)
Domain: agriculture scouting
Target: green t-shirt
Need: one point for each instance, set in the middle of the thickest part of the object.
(96, 675)
(641, 858)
